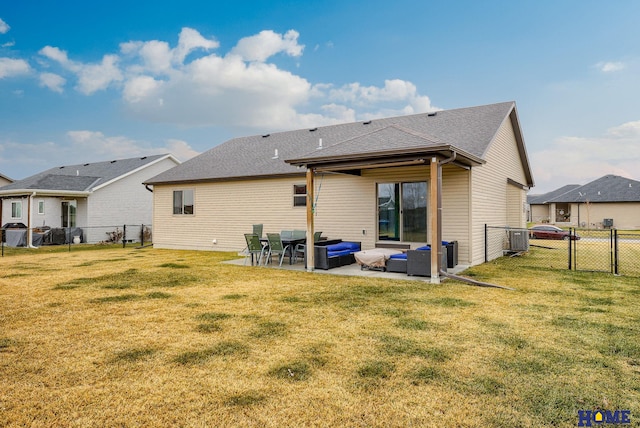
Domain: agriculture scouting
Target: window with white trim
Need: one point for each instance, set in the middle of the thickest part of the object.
(41, 207)
(183, 202)
(16, 209)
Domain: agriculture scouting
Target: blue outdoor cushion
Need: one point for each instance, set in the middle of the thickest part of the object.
(338, 253)
(340, 246)
(344, 246)
(424, 248)
(402, 256)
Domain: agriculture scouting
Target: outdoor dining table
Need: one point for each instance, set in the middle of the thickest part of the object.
(291, 242)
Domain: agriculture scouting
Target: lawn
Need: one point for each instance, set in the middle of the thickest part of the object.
(126, 337)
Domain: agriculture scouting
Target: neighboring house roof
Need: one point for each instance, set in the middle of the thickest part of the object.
(81, 178)
(468, 130)
(610, 188)
(6, 178)
(542, 199)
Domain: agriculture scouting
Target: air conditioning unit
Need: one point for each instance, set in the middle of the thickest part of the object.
(607, 222)
(518, 240)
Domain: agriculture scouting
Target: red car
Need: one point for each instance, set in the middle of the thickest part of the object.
(547, 231)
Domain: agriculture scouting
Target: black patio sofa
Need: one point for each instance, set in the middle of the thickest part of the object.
(332, 253)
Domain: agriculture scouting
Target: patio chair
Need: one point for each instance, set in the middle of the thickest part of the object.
(254, 247)
(257, 229)
(275, 247)
(286, 234)
(301, 248)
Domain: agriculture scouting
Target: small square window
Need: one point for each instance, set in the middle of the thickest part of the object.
(299, 195)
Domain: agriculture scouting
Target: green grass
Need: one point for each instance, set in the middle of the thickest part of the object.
(145, 342)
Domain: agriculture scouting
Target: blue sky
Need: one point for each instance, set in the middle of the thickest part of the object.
(91, 81)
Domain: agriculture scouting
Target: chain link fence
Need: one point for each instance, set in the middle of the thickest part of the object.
(597, 250)
(18, 237)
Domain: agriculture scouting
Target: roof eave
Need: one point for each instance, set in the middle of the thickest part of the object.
(43, 192)
(363, 159)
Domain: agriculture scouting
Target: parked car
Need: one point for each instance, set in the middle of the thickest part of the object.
(547, 231)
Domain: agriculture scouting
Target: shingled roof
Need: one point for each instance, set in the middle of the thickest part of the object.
(610, 188)
(544, 198)
(81, 178)
(468, 130)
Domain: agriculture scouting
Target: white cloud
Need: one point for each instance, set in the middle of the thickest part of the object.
(91, 77)
(52, 81)
(91, 146)
(140, 87)
(59, 56)
(96, 77)
(13, 67)
(86, 146)
(189, 41)
(180, 149)
(578, 160)
(267, 43)
(610, 67)
(4, 27)
(161, 83)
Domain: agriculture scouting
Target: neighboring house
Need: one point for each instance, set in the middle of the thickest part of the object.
(375, 181)
(90, 196)
(4, 180)
(609, 201)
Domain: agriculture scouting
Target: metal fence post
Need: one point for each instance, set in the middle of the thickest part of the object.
(615, 252)
(142, 235)
(571, 233)
(486, 243)
(124, 236)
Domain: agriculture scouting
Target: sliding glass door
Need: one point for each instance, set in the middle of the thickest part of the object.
(402, 211)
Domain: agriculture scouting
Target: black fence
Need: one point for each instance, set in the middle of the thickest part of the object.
(597, 250)
(18, 237)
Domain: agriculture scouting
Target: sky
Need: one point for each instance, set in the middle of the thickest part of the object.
(93, 81)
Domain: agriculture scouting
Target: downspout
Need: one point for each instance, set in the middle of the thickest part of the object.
(29, 221)
(146, 186)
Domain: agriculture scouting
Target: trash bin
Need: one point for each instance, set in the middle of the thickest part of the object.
(452, 253)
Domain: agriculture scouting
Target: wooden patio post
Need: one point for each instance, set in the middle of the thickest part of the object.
(436, 250)
(310, 218)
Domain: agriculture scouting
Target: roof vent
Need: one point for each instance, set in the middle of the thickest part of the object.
(368, 122)
(143, 158)
(61, 167)
(266, 135)
(86, 164)
(319, 144)
(275, 154)
(313, 129)
(432, 114)
(113, 161)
